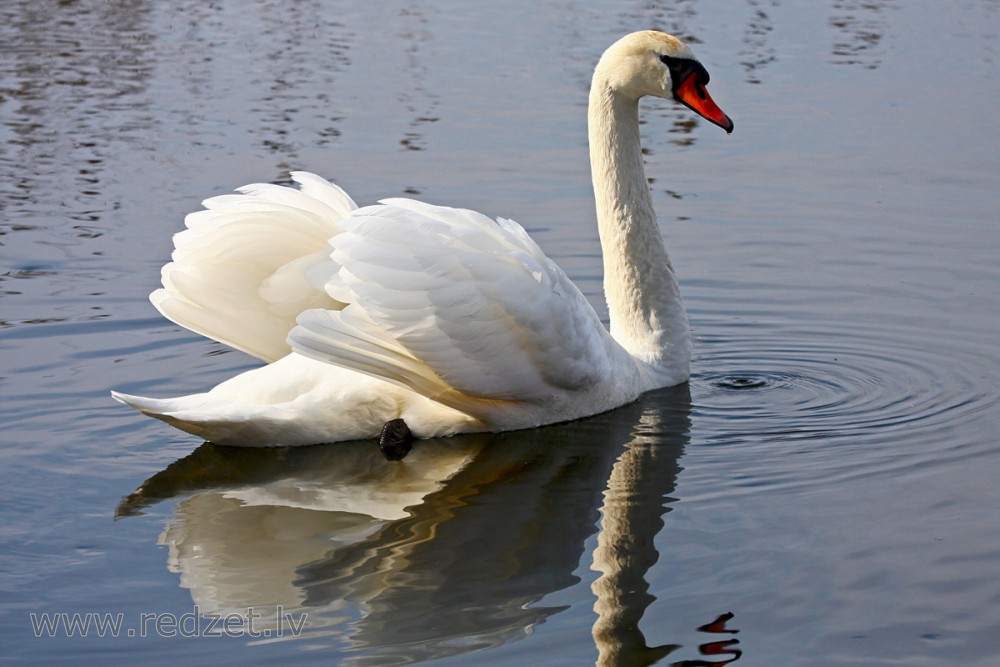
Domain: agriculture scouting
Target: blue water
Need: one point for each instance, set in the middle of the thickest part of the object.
(827, 477)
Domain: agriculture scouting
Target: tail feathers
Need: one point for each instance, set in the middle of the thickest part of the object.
(177, 412)
(223, 422)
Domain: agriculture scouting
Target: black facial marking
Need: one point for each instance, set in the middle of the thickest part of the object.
(682, 68)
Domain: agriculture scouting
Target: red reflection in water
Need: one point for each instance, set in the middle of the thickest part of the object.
(725, 647)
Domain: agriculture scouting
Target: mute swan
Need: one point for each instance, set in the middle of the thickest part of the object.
(440, 317)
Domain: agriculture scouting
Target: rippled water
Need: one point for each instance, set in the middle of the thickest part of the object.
(822, 491)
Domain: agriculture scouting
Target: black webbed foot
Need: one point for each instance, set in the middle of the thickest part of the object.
(396, 440)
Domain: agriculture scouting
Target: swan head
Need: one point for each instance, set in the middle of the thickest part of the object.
(654, 63)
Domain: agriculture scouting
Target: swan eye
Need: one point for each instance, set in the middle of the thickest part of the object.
(682, 68)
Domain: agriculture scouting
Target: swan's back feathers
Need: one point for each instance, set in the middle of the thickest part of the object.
(446, 302)
(455, 306)
(249, 263)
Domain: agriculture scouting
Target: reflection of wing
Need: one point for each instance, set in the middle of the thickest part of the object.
(233, 557)
(446, 301)
(259, 515)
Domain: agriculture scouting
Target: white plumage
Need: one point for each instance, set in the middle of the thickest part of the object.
(443, 317)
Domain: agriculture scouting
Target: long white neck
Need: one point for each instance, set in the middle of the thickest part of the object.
(644, 302)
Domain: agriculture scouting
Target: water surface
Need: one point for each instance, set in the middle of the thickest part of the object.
(821, 493)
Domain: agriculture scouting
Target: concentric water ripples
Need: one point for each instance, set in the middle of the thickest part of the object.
(830, 386)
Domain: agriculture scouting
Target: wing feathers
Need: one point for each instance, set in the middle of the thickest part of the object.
(349, 338)
(249, 263)
(447, 302)
(474, 300)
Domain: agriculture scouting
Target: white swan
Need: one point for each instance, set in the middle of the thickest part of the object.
(438, 316)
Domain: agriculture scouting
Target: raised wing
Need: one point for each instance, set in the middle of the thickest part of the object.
(250, 263)
(455, 306)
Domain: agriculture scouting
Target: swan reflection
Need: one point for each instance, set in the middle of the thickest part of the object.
(452, 550)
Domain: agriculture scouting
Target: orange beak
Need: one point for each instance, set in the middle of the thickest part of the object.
(693, 95)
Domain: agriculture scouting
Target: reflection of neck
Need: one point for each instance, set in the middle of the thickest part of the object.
(632, 516)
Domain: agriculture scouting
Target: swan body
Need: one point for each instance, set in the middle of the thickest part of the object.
(442, 317)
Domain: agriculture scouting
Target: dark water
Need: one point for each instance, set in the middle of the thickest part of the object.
(828, 477)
